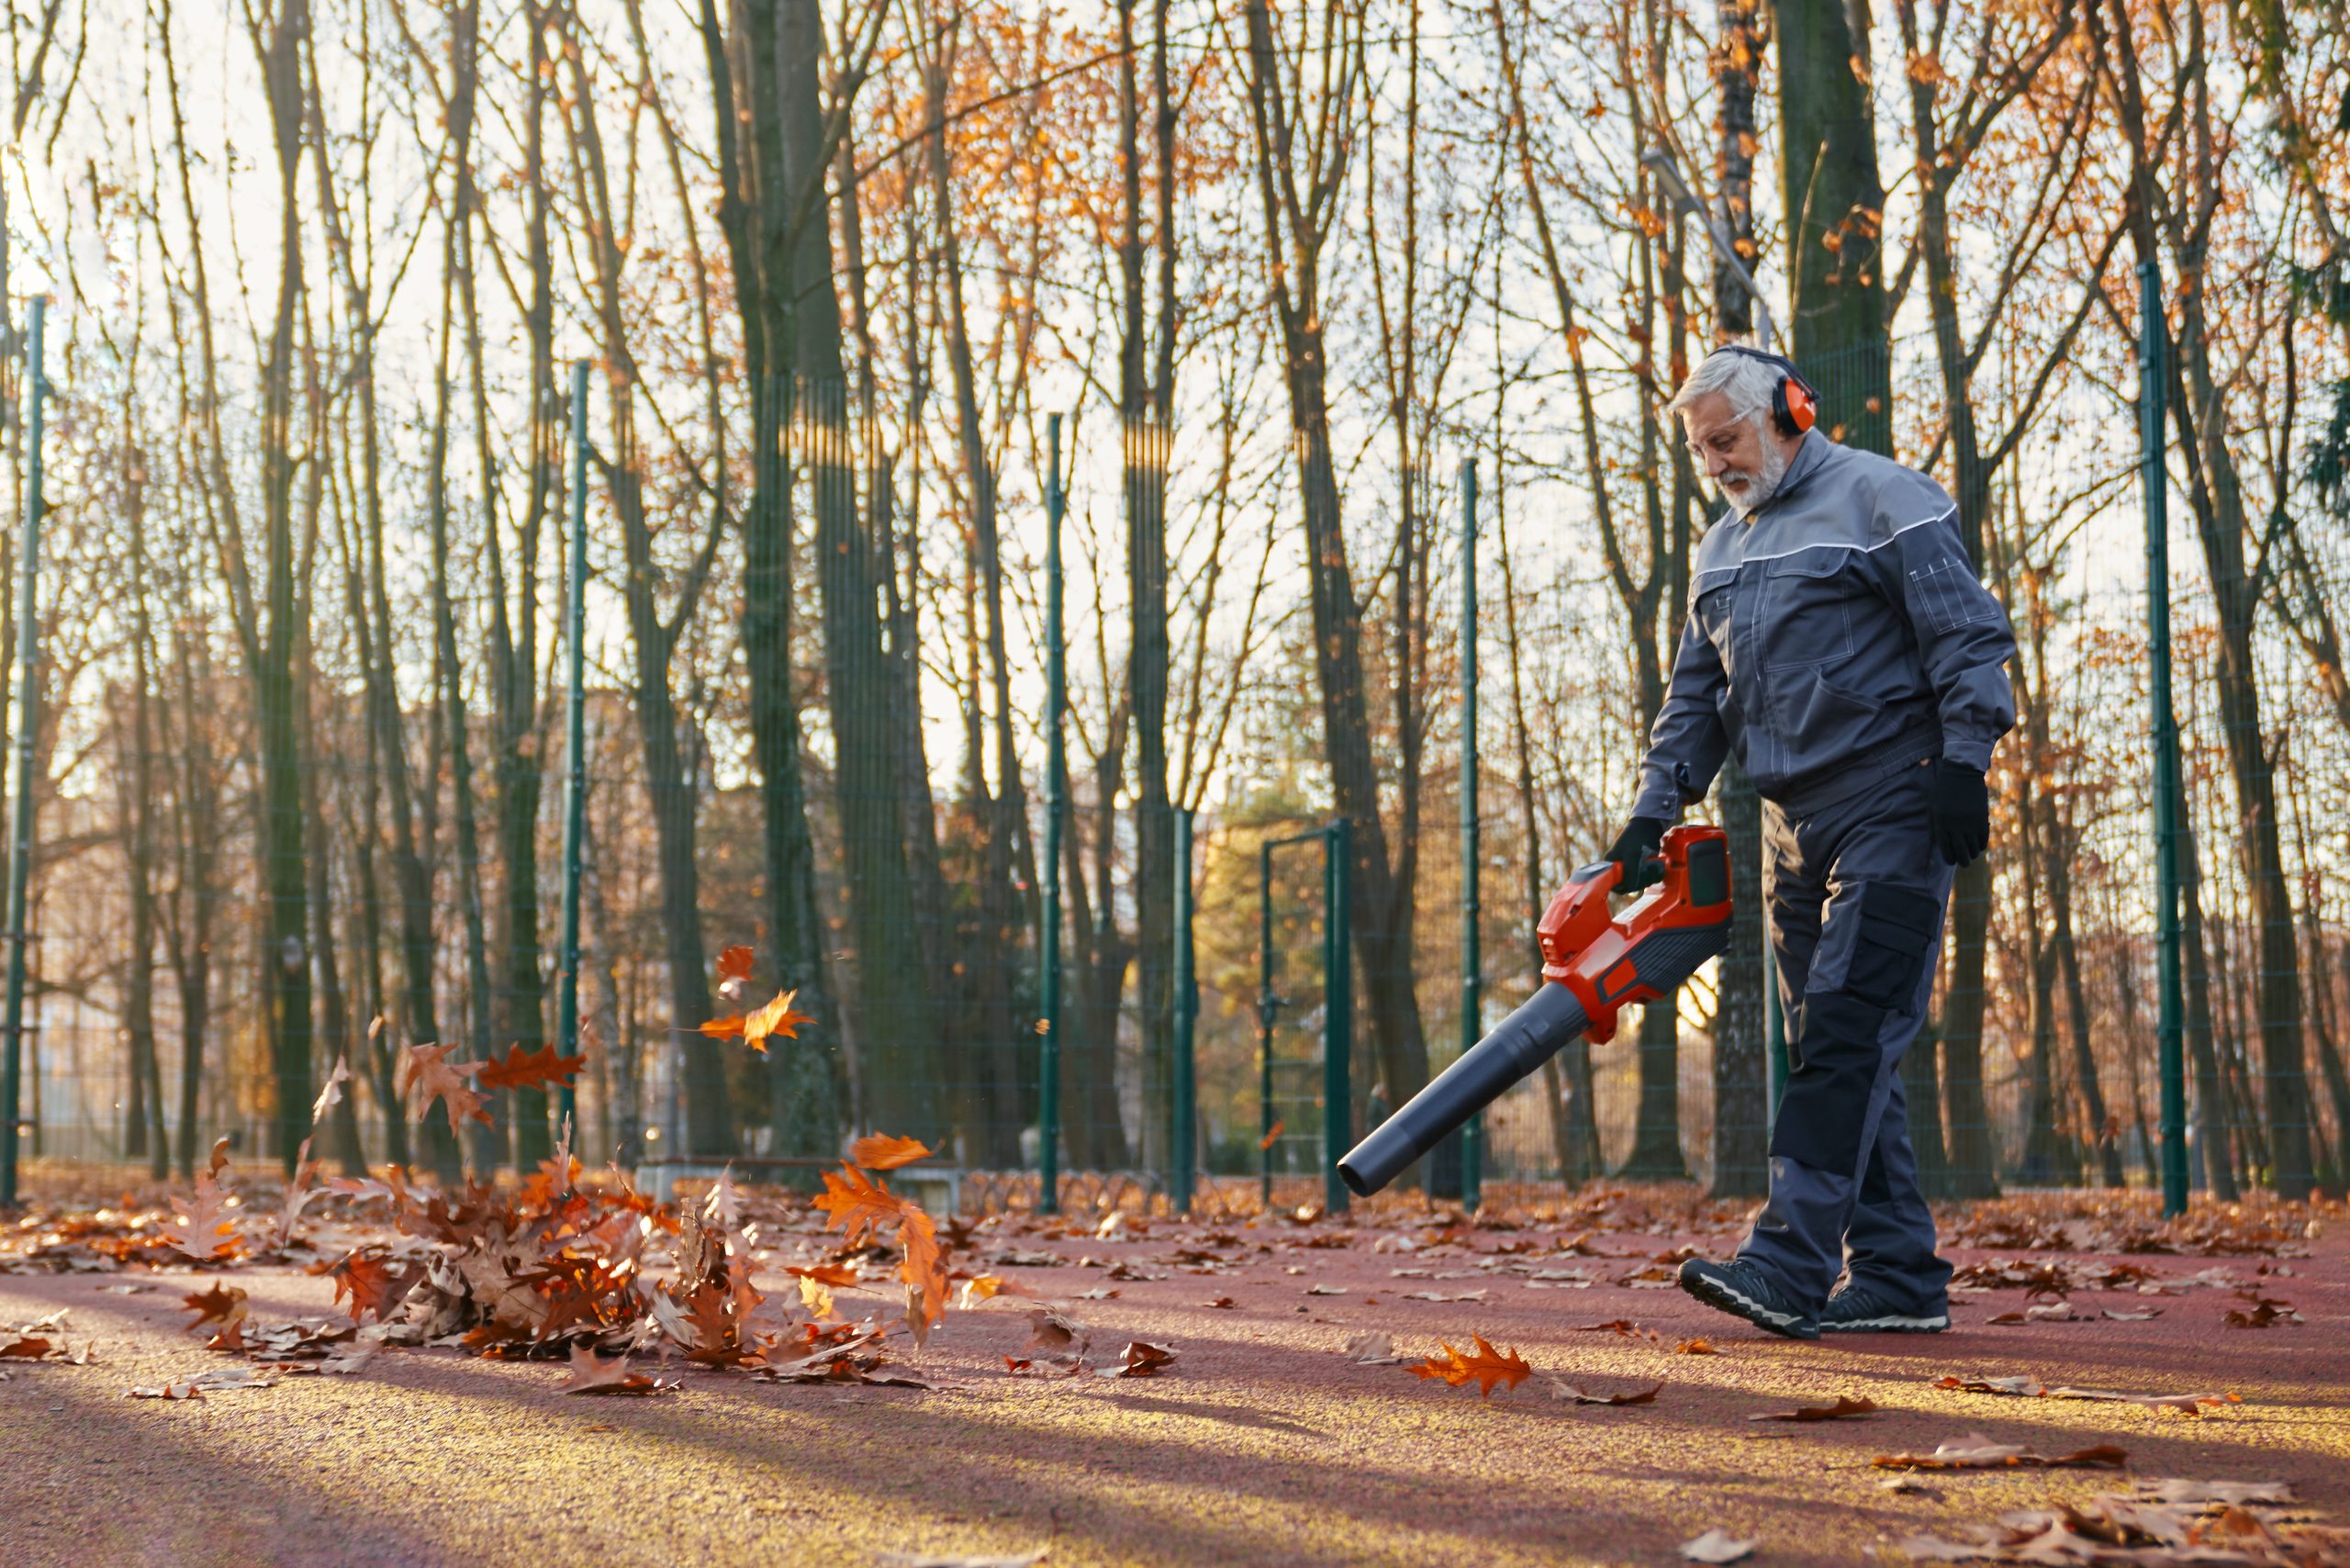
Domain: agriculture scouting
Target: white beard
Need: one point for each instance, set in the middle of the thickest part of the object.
(1759, 485)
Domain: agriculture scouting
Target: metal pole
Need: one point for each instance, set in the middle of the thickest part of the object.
(20, 841)
(1186, 1009)
(1048, 1067)
(575, 718)
(1338, 1012)
(1268, 1006)
(1473, 1137)
(2152, 379)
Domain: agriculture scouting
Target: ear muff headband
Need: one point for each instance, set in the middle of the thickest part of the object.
(1795, 403)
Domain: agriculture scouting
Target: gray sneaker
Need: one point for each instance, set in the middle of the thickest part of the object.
(1743, 1291)
(1857, 1309)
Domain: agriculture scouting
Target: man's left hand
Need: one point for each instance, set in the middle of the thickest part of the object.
(1961, 805)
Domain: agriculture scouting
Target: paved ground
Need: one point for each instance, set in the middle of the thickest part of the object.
(1261, 1444)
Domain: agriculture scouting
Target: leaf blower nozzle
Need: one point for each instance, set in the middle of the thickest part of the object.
(1593, 965)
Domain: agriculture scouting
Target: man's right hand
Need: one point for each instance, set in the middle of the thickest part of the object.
(1633, 854)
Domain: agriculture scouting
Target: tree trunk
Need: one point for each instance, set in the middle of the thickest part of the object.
(1832, 204)
(273, 641)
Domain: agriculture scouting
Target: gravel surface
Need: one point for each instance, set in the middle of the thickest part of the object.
(1261, 1444)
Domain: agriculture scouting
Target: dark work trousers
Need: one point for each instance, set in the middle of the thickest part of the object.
(1855, 893)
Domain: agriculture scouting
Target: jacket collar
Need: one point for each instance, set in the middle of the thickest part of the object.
(1807, 462)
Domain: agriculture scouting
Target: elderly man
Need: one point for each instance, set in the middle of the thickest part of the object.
(1839, 641)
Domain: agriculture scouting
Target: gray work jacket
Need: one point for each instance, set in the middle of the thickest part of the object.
(1840, 634)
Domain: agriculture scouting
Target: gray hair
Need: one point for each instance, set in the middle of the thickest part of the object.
(1746, 381)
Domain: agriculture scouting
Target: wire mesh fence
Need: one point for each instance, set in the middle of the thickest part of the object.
(795, 760)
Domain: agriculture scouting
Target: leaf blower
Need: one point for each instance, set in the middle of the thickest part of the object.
(1592, 966)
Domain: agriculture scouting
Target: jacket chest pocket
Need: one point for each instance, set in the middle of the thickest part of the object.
(1806, 610)
(1713, 610)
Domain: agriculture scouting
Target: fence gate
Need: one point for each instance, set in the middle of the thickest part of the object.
(1288, 1084)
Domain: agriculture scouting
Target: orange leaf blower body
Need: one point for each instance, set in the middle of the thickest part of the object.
(1594, 964)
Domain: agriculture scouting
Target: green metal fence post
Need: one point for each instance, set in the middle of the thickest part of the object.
(2155, 483)
(1472, 1138)
(1338, 1011)
(575, 720)
(1268, 1006)
(1186, 1010)
(1048, 1067)
(21, 798)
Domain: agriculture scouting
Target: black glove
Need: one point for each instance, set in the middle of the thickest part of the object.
(1633, 852)
(1960, 806)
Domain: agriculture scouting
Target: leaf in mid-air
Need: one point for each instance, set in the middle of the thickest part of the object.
(880, 1151)
(520, 1068)
(733, 973)
(203, 1229)
(430, 1076)
(856, 1203)
(776, 1018)
(223, 1305)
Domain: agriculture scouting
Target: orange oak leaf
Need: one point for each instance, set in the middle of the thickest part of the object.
(430, 1076)
(203, 1229)
(856, 1203)
(725, 1028)
(1846, 1404)
(733, 973)
(1483, 1365)
(529, 1070)
(840, 1276)
(776, 1018)
(881, 1152)
(1271, 1133)
(371, 1284)
(592, 1373)
(223, 1305)
(925, 1272)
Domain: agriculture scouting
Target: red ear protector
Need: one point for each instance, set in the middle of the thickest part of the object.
(1794, 403)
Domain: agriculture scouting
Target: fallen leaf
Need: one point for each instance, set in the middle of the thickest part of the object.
(934, 1560)
(30, 1347)
(1139, 1359)
(1575, 1395)
(1055, 1331)
(1326, 1290)
(2228, 1494)
(1933, 1549)
(1371, 1349)
(529, 1070)
(1484, 1364)
(1222, 1304)
(1418, 1295)
(2266, 1312)
(592, 1373)
(1715, 1546)
(231, 1380)
(1846, 1404)
(1695, 1347)
(1975, 1452)
(2032, 1388)
(166, 1391)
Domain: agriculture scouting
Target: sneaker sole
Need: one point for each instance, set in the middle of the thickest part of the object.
(1739, 1305)
(1887, 1325)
